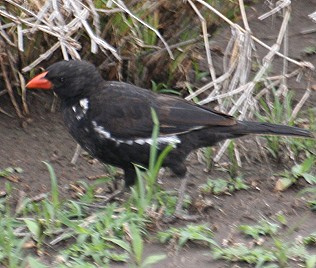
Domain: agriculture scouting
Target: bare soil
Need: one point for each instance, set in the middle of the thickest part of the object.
(44, 138)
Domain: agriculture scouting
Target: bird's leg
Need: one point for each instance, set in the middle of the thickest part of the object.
(76, 155)
(129, 180)
(181, 193)
(179, 213)
(129, 175)
(119, 188)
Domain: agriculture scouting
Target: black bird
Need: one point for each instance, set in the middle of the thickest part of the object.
(113, 122)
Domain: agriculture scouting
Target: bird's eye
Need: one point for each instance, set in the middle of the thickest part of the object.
(61, 79)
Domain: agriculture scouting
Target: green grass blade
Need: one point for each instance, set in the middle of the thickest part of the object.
(54, 185)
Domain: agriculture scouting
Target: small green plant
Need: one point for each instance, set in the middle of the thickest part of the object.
(46, 219)
(264, 254)
(233, 165)
(10, 171)
(199, 75)
(208, 157)
(276, 113)
(264, 227)
(310, 50)
(35, 263)
(301, 146)
(277, 255)
(87, 192)
(242, 253)
(136, 250)
(310, 239)
(221, 186)
(111, 234)
(310, 193)
(11, 247)
(146, 190)
(312, 204)
(194, 233)
(298, 171)
(163, 88)
(103, 236)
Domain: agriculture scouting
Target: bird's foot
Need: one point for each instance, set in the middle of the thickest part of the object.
(179, 213)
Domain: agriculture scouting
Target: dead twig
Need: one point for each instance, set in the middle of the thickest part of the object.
(9, 87)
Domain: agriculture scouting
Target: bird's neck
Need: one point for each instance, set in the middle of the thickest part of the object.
(70, 101)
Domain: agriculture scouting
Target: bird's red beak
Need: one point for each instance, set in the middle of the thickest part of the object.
(40, 82)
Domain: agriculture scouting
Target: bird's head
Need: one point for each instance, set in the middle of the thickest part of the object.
(67, 78)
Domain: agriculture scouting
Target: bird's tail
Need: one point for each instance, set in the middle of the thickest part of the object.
(249, 127)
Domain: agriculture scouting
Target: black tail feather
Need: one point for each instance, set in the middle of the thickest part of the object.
(249, 127)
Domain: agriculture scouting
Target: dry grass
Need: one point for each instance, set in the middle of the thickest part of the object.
(153, 40)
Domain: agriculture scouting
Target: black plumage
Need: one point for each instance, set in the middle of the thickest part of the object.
(112, 120)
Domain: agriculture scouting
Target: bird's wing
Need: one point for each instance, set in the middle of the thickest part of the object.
(124, 111)
(179, 116)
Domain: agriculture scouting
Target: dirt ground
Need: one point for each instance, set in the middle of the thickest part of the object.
(44, 138)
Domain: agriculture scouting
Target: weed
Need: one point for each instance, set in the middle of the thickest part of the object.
(276, 113)
(146, 190)
(263, 228)
(87, 191)
(298, 171)
(34, 263)
(310, 261)
(9, 172)
(233, 167)
(263, 254)
(194, 233)
(163, 88)
(136, 250)
(310, 239)
(279, 255)
(208, 157)
(199, 75)
(11, 247)
(101, 236)
(54, 187)
(310, 193)
(310, 50)
(312, 204)
(240, 252)
(221, 186)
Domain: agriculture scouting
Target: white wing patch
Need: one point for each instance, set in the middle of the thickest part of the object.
(100, 130)
(172, 140)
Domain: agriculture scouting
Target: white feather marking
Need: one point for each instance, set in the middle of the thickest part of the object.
(172, 140)
(101, 130)
(81, 109)
(84, 103)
